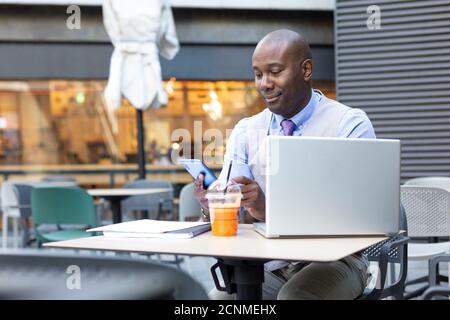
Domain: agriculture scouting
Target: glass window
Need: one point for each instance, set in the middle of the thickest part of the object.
(64, 122)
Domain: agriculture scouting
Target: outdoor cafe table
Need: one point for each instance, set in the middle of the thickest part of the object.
(243, 256)
(116, 195)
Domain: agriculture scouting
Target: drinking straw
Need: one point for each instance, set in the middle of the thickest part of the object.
(228, 175)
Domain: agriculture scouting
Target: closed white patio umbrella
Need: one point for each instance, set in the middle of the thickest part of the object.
(139, 31)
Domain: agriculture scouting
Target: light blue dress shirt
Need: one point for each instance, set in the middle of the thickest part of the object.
(354, 124)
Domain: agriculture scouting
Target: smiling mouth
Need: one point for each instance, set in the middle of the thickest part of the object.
(273, 98)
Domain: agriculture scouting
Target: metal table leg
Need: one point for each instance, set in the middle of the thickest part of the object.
(115, 207)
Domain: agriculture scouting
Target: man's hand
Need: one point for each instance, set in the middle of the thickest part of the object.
(253, 198)
(200, 193)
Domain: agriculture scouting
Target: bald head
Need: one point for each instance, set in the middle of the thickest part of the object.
(283, 69)
(286, 40)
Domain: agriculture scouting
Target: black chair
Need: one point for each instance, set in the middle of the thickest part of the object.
(391, 251)
(436, 290)
(31, 275)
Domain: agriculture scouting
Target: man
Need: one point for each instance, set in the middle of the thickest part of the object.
(283, 69)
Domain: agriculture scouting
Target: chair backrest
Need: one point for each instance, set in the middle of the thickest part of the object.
(189, 206)
(436, 182)
(152, 201)
(43, 275)
(10, 196)
(427, 211)
(396, 253)
(24, 195)
(56, 205)
(10, 199)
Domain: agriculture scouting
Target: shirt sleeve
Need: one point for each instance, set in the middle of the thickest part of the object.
(356, 124)
(237, 152)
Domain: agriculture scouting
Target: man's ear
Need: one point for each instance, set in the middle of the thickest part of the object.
(307, 69)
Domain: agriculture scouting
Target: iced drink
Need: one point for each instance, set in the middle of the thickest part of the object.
(224, 212)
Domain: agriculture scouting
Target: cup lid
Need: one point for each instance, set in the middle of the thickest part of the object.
(218, 189)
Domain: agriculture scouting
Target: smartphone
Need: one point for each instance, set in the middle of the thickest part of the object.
(195, 167)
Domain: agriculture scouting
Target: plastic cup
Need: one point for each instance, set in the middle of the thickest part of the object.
(224, 212)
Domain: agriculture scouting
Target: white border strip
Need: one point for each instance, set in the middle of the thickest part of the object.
(322, 5)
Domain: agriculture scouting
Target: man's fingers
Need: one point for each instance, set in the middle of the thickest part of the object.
(248, 204)
(249, 194)
(248, 197)
(245, 188)
(243, 180)
(246, 184)
(199, 182)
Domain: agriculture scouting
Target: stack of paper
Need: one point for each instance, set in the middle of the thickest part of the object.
(147, 228)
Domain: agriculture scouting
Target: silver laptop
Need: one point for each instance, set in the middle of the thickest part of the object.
(331, 187)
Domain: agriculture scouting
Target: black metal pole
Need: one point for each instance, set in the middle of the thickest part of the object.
(243, 277)
(141, 151)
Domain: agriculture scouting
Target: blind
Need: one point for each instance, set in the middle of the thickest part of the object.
(398, 71)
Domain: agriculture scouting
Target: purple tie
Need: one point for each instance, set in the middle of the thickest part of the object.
(288, 127)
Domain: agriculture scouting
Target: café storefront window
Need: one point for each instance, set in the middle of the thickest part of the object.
(67, 122)
(64, 127)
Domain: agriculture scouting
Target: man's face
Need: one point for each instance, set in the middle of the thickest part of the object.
(280, 78)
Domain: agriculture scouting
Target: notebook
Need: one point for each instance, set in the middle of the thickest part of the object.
(147, 228)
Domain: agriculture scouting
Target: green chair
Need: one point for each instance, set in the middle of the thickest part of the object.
(62, 206)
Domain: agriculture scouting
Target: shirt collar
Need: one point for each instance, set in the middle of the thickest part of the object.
(303, 116)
